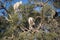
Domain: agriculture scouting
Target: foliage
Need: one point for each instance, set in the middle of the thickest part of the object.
(56, 3)
(20, 28)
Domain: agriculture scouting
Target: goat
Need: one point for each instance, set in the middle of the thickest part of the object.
(52, 16)
(16, 5)
(53, 13)
(31, 22)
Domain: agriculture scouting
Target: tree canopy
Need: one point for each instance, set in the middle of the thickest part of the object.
(15, 26)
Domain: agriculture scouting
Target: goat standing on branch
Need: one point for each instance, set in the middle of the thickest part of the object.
(16, 5)
(31, 22)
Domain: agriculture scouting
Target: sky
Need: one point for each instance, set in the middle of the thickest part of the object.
(26, 1)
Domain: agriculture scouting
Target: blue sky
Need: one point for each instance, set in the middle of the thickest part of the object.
(24, 1)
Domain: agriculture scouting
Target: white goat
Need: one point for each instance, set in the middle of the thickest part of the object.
(31, 22)
(16, 5)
